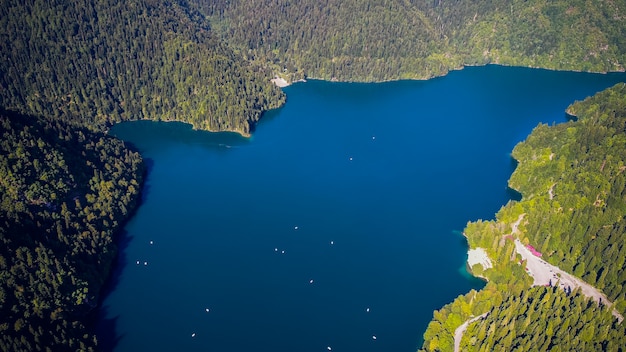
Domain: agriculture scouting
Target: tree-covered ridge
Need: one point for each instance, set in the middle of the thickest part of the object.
(566, 35)
(575, 200)
(572, 180)
(103, 61)
(330, 39)
(64, 192)
(545, 319)
(378, 40)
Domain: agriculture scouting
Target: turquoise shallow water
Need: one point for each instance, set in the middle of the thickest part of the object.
(389, 172)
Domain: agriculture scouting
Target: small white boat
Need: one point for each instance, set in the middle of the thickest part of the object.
(311, 281)
(193, 335)
(206, 310)
(373, 337)
(328, 348)
(332, 242)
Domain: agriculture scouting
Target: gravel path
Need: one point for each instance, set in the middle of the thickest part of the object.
(458, 333)
(544, 274)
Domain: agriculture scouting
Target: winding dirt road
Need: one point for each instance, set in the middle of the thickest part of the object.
(458, 333)
(544, 274)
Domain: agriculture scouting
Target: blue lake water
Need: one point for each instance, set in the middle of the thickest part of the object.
(389, 172)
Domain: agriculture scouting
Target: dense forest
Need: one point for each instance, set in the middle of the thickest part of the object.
(104, 61)
(376, 40)
(68, 70)
(64, 192)
(573, 184)
(545, 319)
(209, 62)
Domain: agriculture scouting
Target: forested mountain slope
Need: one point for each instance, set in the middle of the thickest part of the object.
(64, 192)
(545, 319)
(348, 40)
(377, 40)
(573, 184)
(101, 61)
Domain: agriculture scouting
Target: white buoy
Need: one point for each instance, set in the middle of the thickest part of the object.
(367, 310)
(295, 227)
(275, 249)
(328, 348)
(350, 158)
(145, 263)
(151, 242)
(373, 137)
(373, 337)
(137, 262)
(332, 242)
(206, 310)
(311, 281)
(283, 252)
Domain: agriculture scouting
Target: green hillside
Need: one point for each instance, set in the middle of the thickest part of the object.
(378, 40)
(572, 180)
(64, 192)
(103, 61)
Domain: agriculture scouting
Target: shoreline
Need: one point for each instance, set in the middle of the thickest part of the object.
(282, 83)
(478, 255)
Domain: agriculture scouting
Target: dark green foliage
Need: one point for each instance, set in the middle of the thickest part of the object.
(566, 35)
(573, 184)
(346, 40)
(546, 319)
(378, 40)
(102, 61)
(575, 202)
(64, 192)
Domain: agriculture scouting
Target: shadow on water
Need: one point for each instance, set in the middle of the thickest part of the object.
(106, 328)
(106, 331)
(145, 190)
(569, 117)
(267, 117)
(513, 194)
(153, 135)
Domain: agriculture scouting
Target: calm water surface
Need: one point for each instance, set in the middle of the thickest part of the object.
(365, 188)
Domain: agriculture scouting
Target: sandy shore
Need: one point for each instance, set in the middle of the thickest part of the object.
(478, 256)
(280, 82)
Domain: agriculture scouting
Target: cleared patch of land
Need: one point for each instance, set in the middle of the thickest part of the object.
(546, 274)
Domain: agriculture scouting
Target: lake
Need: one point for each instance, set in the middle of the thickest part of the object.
(337, 221)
